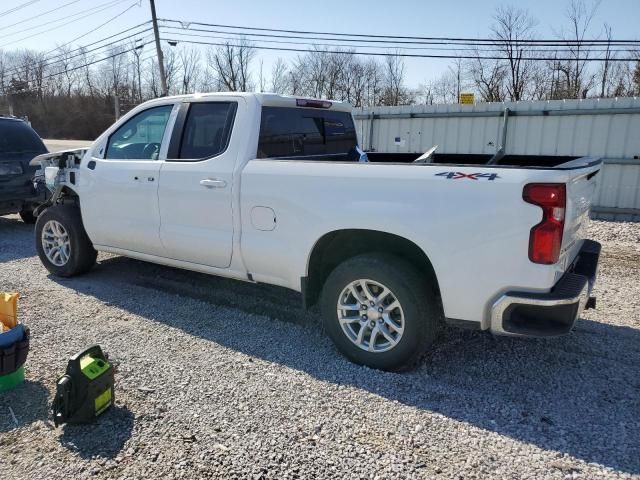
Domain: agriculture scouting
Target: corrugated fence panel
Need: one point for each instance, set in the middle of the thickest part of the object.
(607, 128)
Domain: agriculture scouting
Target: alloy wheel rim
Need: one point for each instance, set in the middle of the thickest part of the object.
(56, 243)
(370, 315)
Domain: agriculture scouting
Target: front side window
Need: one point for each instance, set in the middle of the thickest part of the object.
(141, 136)
(306, 132)
(207, 130)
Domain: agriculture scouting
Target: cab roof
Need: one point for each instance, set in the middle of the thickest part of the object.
(268, 100)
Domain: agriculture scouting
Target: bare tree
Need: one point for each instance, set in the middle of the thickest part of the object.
(136, 65)
(576, 80)
(152, 79)
(445, 88)
(394, 80)
(312, 73)
(513, 28)
(426, 92)
(636, 78)
(172, 70)
(606, 65)
(261, 80)
(541, 82)
(231, 65)
(116, 69)
(374, 88)
(279, 81)
(86, 72)
(65, 65)
(488, 78)
(189, 60)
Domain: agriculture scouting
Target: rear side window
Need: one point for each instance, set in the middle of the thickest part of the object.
(17, 136)
(301, 132)
(207, 129)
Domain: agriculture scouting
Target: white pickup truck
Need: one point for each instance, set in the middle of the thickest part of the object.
(274, 189)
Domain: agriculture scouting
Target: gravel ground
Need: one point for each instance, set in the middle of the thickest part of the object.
(225, 379)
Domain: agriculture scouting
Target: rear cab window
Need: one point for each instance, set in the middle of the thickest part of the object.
(307, 134)
(17, 137)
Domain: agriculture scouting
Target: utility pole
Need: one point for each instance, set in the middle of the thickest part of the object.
(163, 77)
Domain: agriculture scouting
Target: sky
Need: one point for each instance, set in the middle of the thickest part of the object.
(434, 18)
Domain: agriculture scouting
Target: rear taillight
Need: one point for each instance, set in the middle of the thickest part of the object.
(545, 240)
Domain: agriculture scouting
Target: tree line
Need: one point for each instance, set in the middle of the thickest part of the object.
(73, 93)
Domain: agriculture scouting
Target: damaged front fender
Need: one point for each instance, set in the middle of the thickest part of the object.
(59, 172)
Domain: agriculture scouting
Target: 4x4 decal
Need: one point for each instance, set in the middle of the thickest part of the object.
(470, 176)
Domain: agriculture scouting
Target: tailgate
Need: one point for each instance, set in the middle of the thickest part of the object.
(581, 186)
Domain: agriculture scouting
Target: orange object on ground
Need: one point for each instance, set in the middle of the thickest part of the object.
(8, 311)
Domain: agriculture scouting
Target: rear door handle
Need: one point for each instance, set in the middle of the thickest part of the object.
(213, 183)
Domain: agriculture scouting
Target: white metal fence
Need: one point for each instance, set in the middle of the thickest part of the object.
(608, 128)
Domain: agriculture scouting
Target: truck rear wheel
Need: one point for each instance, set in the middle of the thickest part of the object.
(380, 311)
(62, 242)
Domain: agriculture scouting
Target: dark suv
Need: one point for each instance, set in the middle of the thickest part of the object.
(19, 143)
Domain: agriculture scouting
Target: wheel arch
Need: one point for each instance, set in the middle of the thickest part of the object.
(337, 246)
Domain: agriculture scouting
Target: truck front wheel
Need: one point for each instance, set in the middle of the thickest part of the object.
(62, 243)
(380, 311)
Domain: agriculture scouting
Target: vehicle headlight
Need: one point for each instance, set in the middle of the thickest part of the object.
(50, 176)
(11, 169)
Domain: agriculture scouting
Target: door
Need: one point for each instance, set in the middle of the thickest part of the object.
(120, 206)
(196, 182)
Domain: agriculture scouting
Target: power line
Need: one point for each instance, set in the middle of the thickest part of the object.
(41, 15)
(66, 19)
(19, 7)
(107, 38)
(109, 57)
(400, 54)
(395, 47)
(491, 41)
(83, 49)
(95, 28)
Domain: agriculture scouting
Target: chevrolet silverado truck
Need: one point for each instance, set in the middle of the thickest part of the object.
(274, 189)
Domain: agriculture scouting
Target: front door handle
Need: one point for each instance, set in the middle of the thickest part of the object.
(213, 183)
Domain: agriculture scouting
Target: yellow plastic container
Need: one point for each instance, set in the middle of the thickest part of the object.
(10, 333)
(8, 311)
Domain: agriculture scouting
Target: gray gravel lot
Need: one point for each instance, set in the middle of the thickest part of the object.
(225, 379)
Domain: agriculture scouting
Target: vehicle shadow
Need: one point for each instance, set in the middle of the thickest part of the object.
(29, 403)
(558, 394)
(16, 239)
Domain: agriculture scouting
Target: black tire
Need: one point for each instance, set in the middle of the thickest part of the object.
(417, 296)
(82, 255)
(28, 217)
